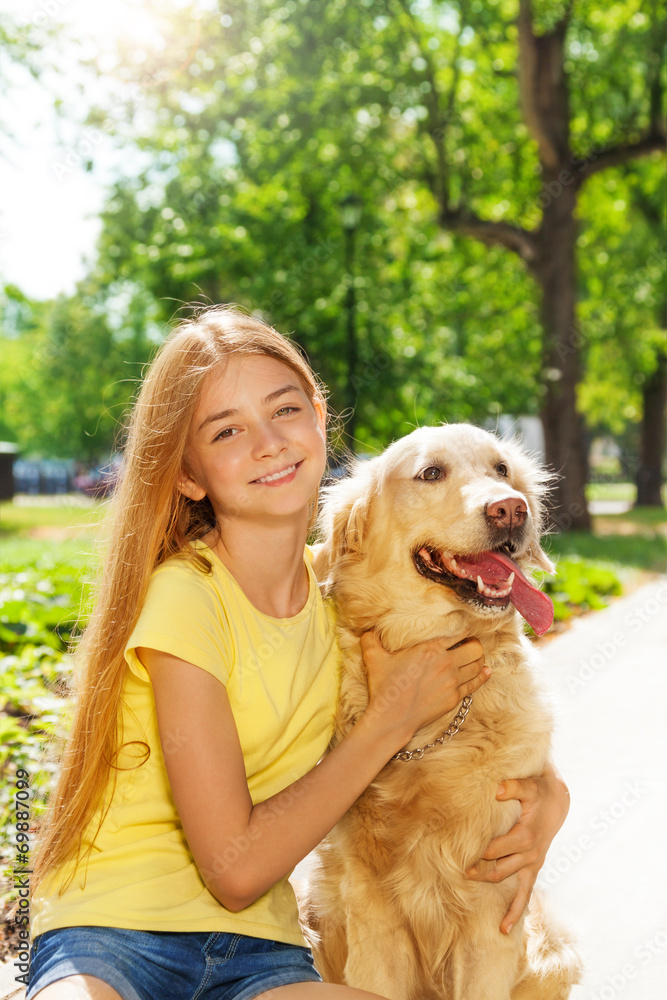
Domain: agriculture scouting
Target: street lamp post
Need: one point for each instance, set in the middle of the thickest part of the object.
(350, 210)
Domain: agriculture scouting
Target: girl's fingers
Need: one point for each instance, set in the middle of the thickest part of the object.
(523, 789)
(519, 904)
(469, 651)
(475, 684)
(455, 642)
(502, 847)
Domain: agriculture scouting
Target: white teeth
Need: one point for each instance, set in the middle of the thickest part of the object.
(492, 591)
(510, 580)
(454, 564)
(277, 475)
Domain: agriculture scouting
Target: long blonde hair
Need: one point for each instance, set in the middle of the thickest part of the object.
(151, 521)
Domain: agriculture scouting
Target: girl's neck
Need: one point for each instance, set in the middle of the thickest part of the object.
(267, 563)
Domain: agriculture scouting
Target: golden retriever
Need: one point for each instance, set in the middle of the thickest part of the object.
(431, 539)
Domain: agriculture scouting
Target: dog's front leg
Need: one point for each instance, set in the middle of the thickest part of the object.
(381, 957)
(484, 964)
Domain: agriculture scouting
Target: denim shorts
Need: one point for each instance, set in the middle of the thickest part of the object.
(155, 965)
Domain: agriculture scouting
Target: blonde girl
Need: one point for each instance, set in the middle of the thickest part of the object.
(190, 787)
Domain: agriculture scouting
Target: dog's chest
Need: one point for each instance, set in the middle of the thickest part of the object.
(446, 800)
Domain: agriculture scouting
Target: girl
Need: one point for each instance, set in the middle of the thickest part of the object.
(190, 787)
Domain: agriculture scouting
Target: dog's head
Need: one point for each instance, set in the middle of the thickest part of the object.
(448, 514)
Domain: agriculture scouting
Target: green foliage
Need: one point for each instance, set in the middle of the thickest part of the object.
(258, 133)
(70, 371)
(580, 585)
(42, 588)
(255, 120)
(622, 313)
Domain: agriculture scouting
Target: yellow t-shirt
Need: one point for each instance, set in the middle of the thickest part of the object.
(282, 678)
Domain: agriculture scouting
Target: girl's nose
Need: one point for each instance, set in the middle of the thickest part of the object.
(270, 440)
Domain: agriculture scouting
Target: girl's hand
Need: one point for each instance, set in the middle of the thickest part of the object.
(545, 803)
(416, 685)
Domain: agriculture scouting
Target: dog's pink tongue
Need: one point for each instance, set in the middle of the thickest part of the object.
(532, 604)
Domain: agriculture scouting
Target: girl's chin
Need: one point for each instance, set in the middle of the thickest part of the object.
(270, 504)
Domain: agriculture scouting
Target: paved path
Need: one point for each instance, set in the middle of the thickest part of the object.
(606, 871)
(606, 874)
(9, 988)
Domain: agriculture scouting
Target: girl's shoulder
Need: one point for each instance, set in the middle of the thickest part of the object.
(188, 572)
(184, 613)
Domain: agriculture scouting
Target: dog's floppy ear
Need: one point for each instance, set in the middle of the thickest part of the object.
(347, 527)
(540, 560)
(342, 521)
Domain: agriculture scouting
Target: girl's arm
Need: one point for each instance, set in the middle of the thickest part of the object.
(545, 802)
(242, 850)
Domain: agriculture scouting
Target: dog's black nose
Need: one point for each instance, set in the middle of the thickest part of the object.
(508, 513)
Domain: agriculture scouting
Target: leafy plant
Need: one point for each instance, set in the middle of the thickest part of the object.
(39, 616)
(580, 585)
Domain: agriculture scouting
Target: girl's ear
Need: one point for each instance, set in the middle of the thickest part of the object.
(189, 488)
(318, 406)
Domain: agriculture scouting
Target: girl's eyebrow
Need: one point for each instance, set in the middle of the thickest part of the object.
(232, 413)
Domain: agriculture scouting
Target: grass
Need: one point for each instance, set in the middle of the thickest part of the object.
(616, 491)
(21, 519)
(637, 519)
(637, 551)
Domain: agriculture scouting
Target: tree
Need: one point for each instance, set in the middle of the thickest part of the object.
(650, 480)
(421, 111)
(70, 370)
(566, 161)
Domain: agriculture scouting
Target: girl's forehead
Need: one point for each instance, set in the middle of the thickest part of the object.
(247, 375)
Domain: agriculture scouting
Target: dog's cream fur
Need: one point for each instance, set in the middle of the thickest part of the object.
(389, 908)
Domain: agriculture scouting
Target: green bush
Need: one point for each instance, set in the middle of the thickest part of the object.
(39, 615)
(580, 585)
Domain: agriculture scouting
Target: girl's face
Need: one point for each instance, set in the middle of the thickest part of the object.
(257, 445)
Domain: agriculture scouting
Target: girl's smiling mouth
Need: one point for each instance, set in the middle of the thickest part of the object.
(285, 475)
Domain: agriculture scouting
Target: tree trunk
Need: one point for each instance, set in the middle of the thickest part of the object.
(563, 425)
(653, 437)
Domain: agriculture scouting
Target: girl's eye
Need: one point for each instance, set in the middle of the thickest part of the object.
(284, 408)
(431, 473)
(226, 432)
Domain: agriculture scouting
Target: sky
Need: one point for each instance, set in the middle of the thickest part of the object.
(47, 225)
(50, 203)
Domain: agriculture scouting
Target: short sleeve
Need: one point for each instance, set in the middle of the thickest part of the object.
(183, 614)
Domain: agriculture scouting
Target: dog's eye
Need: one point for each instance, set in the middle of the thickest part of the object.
(501, 468)
(433, 472)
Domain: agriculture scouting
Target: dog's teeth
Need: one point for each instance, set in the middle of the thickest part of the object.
(510, 580)
(454, 563)
(480, 585)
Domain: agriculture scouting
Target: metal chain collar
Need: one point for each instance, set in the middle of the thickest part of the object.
(445, 737)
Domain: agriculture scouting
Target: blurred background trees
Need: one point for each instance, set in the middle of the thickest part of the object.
(456, 208)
